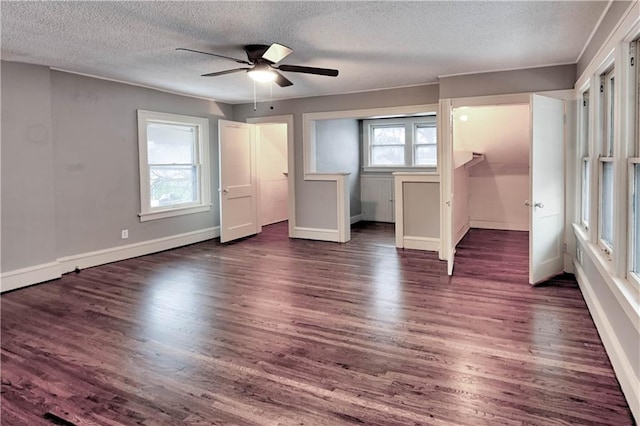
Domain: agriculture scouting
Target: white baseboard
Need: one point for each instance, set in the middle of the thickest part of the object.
(36, 274)
(421, 243)
(505, 226)
(461, 233)
(629, 382)
(27, 276)
(316, 234)
(357, 218)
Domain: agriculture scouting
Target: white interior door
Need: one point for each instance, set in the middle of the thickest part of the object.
(238, 183)
(546, 201)
(445, 129)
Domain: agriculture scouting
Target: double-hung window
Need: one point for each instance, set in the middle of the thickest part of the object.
(606, 176)
(585, 170)
(634, 167)
(174, 165)
(391, 143)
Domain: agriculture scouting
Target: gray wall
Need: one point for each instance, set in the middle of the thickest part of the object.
(81, 178)
(338, 150)
(608, 24)
(506, 82)
(314, 207)
(28, 215)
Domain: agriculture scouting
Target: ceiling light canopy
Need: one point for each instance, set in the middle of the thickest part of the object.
(262, 73)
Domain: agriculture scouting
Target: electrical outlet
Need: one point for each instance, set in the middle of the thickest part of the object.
(125, 234)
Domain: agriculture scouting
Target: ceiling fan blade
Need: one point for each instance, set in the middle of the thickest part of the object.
(276, 52)
(282, 81)
(309, 70)
(240, 61)
(214, 74)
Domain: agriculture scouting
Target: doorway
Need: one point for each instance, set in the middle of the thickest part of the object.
(516, 184)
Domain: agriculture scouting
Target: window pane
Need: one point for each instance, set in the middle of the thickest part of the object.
(171, 143)
(426, 135)
(635, 206)
(172, 185)
(585, 192)
(387, 155)
(426, 155)
(606, 194)
(388, 136)
(611, 110)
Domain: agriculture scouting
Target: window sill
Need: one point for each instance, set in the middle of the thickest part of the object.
(390, 169)
(624, 290)
(178, 211)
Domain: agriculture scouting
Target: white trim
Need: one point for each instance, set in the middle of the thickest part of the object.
(629, 382)
(461, 233)
(625, 293)
(594, 30)
(356, 218)
(316, 234)
(506, 226)
(12, 280)
(421, 243)
(627, 26)
(179, 211)
(115, 254)
(144, 86)
(202, 162)
(408, 110)
(27, 276)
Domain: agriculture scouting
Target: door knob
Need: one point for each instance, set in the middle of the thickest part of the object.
(529, 204)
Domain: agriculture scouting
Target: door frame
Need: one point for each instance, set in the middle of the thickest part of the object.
(291, 188)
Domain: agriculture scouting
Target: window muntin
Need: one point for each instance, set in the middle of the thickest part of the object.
(174, 165)
(396, 143)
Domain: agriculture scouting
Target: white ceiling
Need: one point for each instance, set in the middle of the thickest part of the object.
(375, 45)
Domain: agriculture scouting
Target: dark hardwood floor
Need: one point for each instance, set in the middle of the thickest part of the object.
(272, 331)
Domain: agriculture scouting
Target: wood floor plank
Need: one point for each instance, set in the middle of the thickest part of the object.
(271, 331)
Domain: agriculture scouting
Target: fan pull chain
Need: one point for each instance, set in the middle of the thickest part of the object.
(255, 101)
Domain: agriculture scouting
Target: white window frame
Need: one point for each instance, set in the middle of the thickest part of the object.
(410, 124)
(606, 147)
(202, 158)
(634, 82)
(585, 161)
(631, 274)
(585, 198)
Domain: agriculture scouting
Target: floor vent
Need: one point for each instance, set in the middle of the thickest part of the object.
(57, 420)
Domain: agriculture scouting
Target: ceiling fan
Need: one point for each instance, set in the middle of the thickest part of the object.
(262, 60)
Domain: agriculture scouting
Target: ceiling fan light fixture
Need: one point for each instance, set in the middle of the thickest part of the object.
(262, 73)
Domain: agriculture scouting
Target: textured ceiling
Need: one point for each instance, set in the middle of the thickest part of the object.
(375, 45)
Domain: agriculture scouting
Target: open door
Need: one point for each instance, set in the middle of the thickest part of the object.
(238, 183)
(546, 202)
(447, 171)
